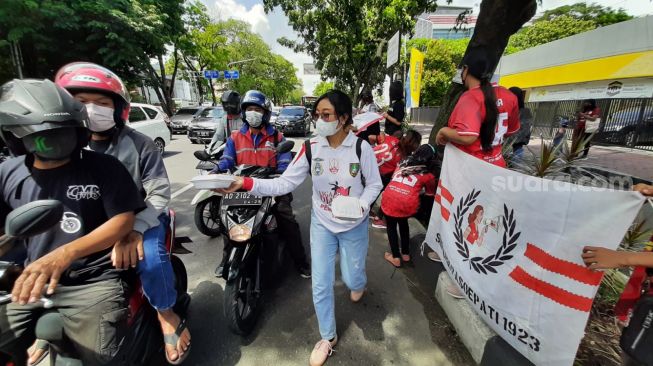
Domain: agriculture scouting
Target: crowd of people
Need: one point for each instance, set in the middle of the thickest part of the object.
(122, 219)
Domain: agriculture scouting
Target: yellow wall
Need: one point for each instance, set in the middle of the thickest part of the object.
(631, 65)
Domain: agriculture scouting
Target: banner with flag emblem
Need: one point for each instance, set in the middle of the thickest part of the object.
(513, 245)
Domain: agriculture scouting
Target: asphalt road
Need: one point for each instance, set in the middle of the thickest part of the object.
(397, 323)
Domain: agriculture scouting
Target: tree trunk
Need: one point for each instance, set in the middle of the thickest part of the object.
(158, 88)
(215, 102)
(497, 21)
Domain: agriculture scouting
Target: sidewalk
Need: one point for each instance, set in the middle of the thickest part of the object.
(638, 163)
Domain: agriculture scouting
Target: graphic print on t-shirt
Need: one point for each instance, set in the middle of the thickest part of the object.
(70, 223)
(336, 190)
(81, 192)
(318, 169)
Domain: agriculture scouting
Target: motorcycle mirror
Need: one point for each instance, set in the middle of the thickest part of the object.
(285, 146)
(33, 218)
(202, 155)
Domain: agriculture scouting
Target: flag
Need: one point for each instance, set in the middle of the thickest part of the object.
(513, 245)
(415, 75)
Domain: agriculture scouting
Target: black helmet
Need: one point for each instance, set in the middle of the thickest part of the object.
(255, 97)
(31, 106)
(231, 102)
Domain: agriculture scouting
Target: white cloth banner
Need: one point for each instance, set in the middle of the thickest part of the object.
(513, 245)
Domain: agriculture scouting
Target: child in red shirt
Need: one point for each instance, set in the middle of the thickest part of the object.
(389, 152)
(400, 200)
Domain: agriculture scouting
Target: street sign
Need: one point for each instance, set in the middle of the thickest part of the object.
(231, 74)
(393, 50)
(211, 74)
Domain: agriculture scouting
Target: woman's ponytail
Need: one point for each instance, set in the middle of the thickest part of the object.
(489, 125)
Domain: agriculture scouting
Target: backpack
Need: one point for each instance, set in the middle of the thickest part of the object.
(309, 155)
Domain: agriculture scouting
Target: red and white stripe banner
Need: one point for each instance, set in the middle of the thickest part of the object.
(513, 244)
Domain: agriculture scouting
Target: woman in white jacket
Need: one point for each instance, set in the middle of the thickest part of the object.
(340, 165)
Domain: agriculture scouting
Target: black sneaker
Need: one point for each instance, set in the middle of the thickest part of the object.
(304, 271)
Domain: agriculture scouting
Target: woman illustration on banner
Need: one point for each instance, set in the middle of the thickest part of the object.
(472, 234)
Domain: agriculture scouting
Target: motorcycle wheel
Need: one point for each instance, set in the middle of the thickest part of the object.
(241, 303)
(207, 218)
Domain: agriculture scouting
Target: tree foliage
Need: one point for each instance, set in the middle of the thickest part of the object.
(322, 87)
(347, 39)
(599, 15)
(542, 32)
(122, 35)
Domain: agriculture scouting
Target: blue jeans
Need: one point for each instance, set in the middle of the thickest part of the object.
(353, 253)
(155, 269)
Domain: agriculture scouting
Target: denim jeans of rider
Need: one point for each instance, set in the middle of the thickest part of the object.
(325, 245)
(155, 270)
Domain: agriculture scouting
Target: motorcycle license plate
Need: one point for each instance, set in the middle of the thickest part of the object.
(241, 199)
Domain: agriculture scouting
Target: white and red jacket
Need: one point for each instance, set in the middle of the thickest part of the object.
(334, 172)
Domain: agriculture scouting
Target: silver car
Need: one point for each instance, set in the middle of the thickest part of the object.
(183, 117)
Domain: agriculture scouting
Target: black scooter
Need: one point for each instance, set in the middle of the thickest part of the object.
(255, 253)
(144, 342)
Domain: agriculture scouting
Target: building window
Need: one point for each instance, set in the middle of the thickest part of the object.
(452, 34)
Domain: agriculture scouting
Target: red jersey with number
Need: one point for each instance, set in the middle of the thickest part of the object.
(469, 113)
(387, 155)
(401, 197)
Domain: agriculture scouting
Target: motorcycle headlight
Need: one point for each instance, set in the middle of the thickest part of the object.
(240, 233)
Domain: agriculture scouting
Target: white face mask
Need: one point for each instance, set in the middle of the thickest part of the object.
(326, 129)
(254, 119)
(101, 118)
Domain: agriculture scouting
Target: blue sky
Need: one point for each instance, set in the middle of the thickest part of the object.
(275, 25)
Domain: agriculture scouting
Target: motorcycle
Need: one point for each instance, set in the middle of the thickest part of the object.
(563, 123)
(206, 201)
(255, 255)
(143, 344)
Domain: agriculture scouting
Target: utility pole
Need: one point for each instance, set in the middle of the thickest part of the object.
(401, 69)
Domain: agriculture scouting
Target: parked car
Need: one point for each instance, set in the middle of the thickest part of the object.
(622, 127)
(202, 128)
(183, 117)
(294, 120)
(150, 121)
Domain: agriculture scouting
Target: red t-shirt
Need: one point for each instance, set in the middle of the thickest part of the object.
(401, 197)
(469, 113)
(387, 155)
(596, 112)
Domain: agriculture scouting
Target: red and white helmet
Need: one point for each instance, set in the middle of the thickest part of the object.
(90, 77)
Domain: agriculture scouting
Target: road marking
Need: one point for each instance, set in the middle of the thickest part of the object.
(182, 190)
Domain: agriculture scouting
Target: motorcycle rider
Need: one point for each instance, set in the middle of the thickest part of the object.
(255, 144)
(46, 128)
(144, 248)
(229, 122)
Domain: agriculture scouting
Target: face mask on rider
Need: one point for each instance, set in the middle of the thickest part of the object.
(101, 118)
(326, 129)
(254, 119)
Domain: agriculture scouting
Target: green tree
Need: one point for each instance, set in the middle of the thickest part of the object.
(122, 35)
(600, 15)
(296, 96)
(546, 31)
(322, 87)
(347, 39)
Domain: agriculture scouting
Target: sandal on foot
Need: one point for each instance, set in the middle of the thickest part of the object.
(173, 340)
(405, 257)
(42, 345)
(396, 262)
